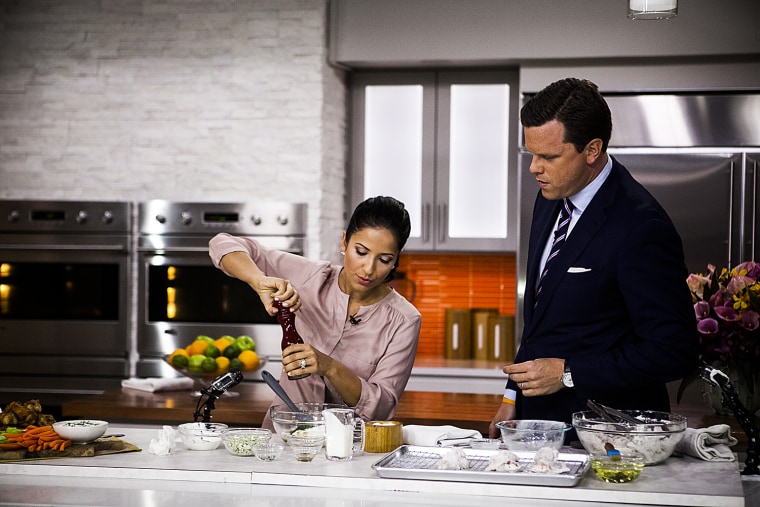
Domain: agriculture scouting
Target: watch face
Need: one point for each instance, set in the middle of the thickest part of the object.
(567, 379)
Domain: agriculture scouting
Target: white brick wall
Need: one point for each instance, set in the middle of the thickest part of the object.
(186, 100)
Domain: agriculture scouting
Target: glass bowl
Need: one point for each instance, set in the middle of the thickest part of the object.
(80, 431)
(305, 447)
(532, 434)
(485, 443)
(200, 436)
(307, 422)
(617, 469)
(241, 441)
(269, 451)
(654, 439)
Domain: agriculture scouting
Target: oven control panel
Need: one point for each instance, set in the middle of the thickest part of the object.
(30, 216)
(160, 217)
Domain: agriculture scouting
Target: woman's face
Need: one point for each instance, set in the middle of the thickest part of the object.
(371, 254)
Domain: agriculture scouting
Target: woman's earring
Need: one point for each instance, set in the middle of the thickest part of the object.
(342, 253)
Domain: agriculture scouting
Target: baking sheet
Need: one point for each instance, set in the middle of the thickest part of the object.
(420, 462)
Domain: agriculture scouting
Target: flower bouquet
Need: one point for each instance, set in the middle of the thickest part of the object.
(727, 309)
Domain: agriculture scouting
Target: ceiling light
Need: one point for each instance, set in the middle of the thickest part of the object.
(652, 9)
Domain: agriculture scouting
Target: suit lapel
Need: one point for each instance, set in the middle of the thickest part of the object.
(593, 218)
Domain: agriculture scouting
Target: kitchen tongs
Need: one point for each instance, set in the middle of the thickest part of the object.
(612, 415)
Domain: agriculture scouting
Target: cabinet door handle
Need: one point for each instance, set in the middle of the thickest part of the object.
(426, 222)
(731, 215)
(755, 197)
(442, 222)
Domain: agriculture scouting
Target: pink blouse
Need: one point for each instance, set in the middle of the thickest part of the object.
(380, 349)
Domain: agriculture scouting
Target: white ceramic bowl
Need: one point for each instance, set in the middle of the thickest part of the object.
(200, 436)
(654, 439)
(532, 434)
(241, 441)
(81, 430)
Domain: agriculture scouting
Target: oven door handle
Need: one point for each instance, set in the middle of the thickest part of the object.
(170, 249)
(110, 248)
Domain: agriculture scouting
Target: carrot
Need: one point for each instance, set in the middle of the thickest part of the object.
(64, 444)
(38, 430)
(10, 447)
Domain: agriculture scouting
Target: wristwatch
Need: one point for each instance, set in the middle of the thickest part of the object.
(567, 377)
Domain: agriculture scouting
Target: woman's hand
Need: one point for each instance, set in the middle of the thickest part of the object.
(316, 362)
(270, 288)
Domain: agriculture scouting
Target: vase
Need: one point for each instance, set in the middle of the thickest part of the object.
(747, 389)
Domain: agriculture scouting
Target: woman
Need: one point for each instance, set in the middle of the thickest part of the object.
(360, 335)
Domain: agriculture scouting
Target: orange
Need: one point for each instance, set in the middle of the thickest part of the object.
(221, 343)
(197, 347)
(250, 359)
(222, 363)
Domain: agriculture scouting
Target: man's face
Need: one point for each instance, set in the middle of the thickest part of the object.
(559, 169)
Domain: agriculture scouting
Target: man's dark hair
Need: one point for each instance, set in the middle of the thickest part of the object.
(577, 105)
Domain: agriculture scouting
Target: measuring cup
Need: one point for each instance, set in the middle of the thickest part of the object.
(340, 426)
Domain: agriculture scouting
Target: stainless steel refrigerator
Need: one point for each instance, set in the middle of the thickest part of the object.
(699, 155)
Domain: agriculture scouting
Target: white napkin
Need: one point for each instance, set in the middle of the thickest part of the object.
(709, 444)
(154, 384)
(165, 443)
(441, 436)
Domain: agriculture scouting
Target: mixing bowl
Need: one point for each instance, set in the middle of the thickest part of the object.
(532, 434)
(654, 439)
(200, 436)
(241, 441)
(307, 422)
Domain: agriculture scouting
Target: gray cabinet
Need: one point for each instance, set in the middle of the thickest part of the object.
(444, 144)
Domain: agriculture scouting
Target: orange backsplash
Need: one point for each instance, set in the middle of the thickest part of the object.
(456, 281)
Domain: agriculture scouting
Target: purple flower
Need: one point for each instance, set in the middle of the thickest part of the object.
(708, 326)
(726, 313)
(750, 320)
(702, 309)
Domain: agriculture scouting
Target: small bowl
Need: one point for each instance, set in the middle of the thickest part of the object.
(80, 431)
(308, 421)
(485, 443)
(532, 434)
(654, 439)
(305, 447)
(200, 436)
(241, 441)
(269, 451)
(619, 469)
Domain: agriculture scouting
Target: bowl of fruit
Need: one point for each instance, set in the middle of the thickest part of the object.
(208, 358)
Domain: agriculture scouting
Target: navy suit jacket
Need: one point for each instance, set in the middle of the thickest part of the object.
(614, 305)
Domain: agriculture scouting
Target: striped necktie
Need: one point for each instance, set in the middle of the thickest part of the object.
(560, 234)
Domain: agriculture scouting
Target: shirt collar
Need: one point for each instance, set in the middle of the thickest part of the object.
(583, 198)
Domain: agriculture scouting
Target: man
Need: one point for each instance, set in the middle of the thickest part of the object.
(608, 315)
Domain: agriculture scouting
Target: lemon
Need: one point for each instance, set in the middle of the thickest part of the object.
(250, 359)
(222, 363)
(197, 347)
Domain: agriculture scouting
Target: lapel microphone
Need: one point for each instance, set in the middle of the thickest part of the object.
(353, 320)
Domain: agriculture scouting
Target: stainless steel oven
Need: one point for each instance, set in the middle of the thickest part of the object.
(182, 295)
(64, 297)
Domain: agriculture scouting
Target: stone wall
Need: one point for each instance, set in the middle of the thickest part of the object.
(174, 99)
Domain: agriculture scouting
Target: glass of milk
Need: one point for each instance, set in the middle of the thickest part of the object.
(340, 424)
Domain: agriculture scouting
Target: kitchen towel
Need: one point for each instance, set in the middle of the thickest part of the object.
(441, 436)
(709, 444)
(155, 384)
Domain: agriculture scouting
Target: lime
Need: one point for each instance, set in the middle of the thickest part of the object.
(180, 361)
(212, 350)
(231, 351)
(195, 363)
(209, 365)
(236, 363)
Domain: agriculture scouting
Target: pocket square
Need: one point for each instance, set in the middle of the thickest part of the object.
(578, 270)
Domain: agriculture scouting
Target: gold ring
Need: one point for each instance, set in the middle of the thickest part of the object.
(303, 363)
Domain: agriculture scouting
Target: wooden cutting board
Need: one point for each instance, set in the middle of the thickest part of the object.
(109, 445)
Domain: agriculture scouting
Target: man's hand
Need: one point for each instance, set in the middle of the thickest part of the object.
(505, 413)
(538, 377)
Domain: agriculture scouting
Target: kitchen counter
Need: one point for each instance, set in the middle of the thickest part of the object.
(191, 478)
(464, 410)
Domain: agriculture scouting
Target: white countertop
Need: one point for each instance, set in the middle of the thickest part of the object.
(190, 478)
